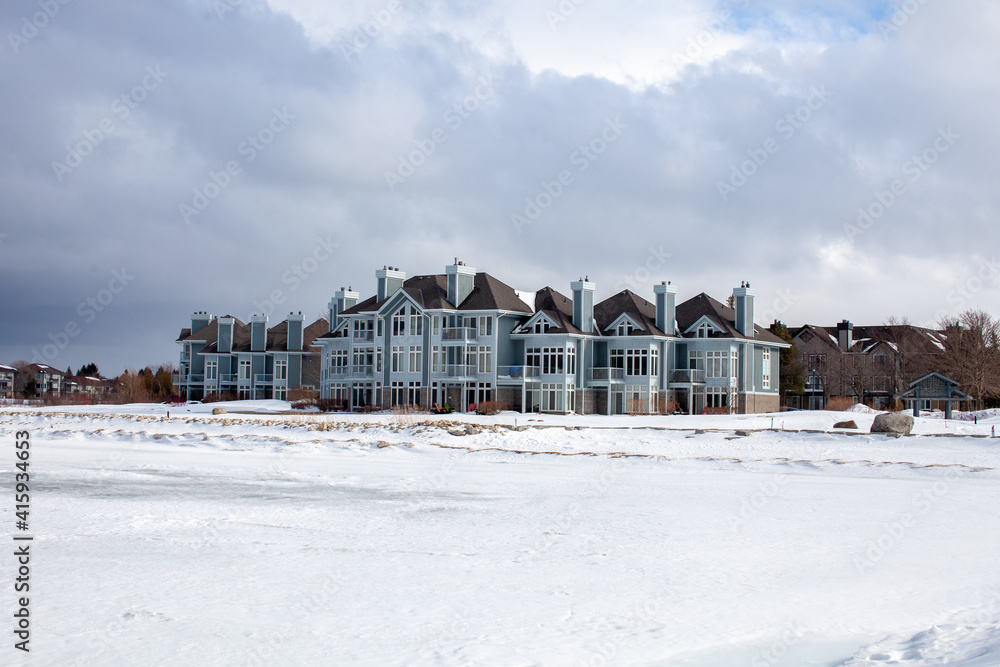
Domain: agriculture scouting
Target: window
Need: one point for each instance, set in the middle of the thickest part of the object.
(636, 362)
(533, 357)
(363, 329)
(363, 359)
(617, 359)
(436, 325)
(551, 397)
(817, 362)
(716, 364)
(413, 394)
(212, 370)
(416, 359)
(716, 397)
(338, 362)
(435, 354)
(398, 358)
(704, 330)
(734, 363)
(541, 326)
(485, 325)
(765, 370)
(280, 370)
(399, 322)
(654, 362)
(471, 352)
(571, 361)
(378, 360)
(416, 325)
(485, 359)
(624, 329)
(696, 360)
(279, 393)
(397, 393)
(245, 369)
(380, 323)
(552, 360)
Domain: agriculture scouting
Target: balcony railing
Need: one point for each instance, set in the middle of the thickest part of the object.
(364, 336)
(460, 333)
(190, 378)
(687, 376)
(518, 372)
(338, 372)
(456, 371)
(362, 372)
(605, 374)
(227, 378)
(263, 378)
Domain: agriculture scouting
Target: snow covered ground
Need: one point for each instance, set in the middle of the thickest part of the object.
(274, 539)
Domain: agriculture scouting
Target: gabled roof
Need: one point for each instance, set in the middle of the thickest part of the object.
(627, 302)
(277, 336)
(431, 293)
(867, 339)
(722, 316)
(43, 368)
(557, 308)
(7, 368)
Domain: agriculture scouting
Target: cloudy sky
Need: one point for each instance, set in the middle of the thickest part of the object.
(158, 158)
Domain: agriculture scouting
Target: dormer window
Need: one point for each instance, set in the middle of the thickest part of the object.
(624, 329)
(704, 330)
(541, 326)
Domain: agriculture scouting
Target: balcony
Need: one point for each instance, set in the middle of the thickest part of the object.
(690, 376)
(518, 372)
(605, 374)
(456, 371)
(190, 378)
(227, 378)
(364, 336)
(338, 373)
(362, 372)
(263, 378)
(460, 334)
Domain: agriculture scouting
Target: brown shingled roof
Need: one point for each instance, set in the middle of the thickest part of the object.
(723, 316)
(628, 303)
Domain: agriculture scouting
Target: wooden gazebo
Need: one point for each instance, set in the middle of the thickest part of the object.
(934, 387)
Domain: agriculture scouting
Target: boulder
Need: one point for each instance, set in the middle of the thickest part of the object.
(849, 424)
(893, 423)
(218, 411)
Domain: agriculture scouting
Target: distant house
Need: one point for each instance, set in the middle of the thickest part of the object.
(464, 337)
(251, 361)
(91, 387)
(869, 364)
(7, 374)
(48, 379)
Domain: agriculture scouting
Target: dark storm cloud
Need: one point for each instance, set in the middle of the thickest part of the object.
(231, 146)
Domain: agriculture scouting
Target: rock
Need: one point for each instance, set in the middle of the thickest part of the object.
(743, 433)
(893, 423)
(383, 444)
(849, 424)
(218, 411)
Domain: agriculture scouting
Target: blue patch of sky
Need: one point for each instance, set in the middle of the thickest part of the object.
(842, 21)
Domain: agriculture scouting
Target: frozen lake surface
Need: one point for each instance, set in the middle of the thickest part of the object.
(380, 540)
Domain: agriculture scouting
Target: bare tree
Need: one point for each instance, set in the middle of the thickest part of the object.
(972, 353)
(131, 387)
(24, 380)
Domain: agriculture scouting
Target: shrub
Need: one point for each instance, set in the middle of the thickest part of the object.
(665, 407)
(491, 408)
(304, 404)
(715, 411)
(302, 394)
(219, 396)
(840, 403)
(331, 404)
